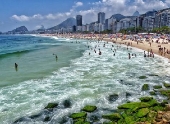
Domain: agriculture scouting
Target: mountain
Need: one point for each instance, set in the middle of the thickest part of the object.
(67, 23)
(136, 13)
(118, 17)
(21, 29)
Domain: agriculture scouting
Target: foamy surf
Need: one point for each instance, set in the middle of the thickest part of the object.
(88, 79)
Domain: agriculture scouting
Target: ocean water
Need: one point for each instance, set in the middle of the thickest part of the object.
(75, 76)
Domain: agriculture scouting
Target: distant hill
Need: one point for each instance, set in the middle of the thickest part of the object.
(20, 29)
(136, 13)
(67, 23)
(118, 17)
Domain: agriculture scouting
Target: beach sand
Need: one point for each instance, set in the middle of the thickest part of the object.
(144, 45)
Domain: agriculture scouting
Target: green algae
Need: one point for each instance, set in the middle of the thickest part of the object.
(89, 108)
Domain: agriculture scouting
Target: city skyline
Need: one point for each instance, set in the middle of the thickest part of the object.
(33, 14)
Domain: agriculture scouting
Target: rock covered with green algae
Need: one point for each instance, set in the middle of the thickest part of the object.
(129, 120)
(157, 87)
(78, 115)
(51, 105)
(145, 87)
(146, 99)
(142, 77)
(89, 108)
(134, 105)
(142, 112)
(152, 93)
(167, 85)
(112, 117)
(79, 121)
(165, 93)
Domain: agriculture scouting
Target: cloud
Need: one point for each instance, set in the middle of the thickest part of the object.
(167, 2)
(128, 7)
(77, 4)
(24, 18)
(110, 7)
(39, 27)
(20, 18)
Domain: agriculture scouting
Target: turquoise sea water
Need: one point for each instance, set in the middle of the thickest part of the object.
(75, 76)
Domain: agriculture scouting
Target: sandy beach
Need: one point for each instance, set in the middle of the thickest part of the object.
(150, 45)
(144, 45)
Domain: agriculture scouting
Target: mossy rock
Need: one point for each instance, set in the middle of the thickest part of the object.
(94, 117)
(128, 94)
(165, 93)
(142, 112)
(143, 119)
(121, 121)
(157, 87)
(163, 104)
(153, 75)
(152, 93)
(158, 108)
(130, 120)
(142, 77)
(133, 105)
(145, 87)
(89, 108)
(124, 114)
(51, 105)
(81, 122)
(47, 118)
(112, 117)
(113, 97)
(78, 115)
(110, 122)
(67, 103)
(153, 102)
(166, 85)
(151, 116)
(146, 99)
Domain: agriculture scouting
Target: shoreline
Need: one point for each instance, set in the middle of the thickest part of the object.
(151, 106)
(142, 45)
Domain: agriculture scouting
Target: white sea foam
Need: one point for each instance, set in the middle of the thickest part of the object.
(89, 79)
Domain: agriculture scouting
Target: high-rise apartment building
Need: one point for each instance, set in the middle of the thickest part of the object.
(79, 20)
(101, 17)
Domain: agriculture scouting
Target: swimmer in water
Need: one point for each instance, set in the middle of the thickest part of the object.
(16, 66)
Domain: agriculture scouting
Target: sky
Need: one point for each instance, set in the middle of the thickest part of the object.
(35, 13)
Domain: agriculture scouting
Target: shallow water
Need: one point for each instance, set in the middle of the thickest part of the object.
(76, 75)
